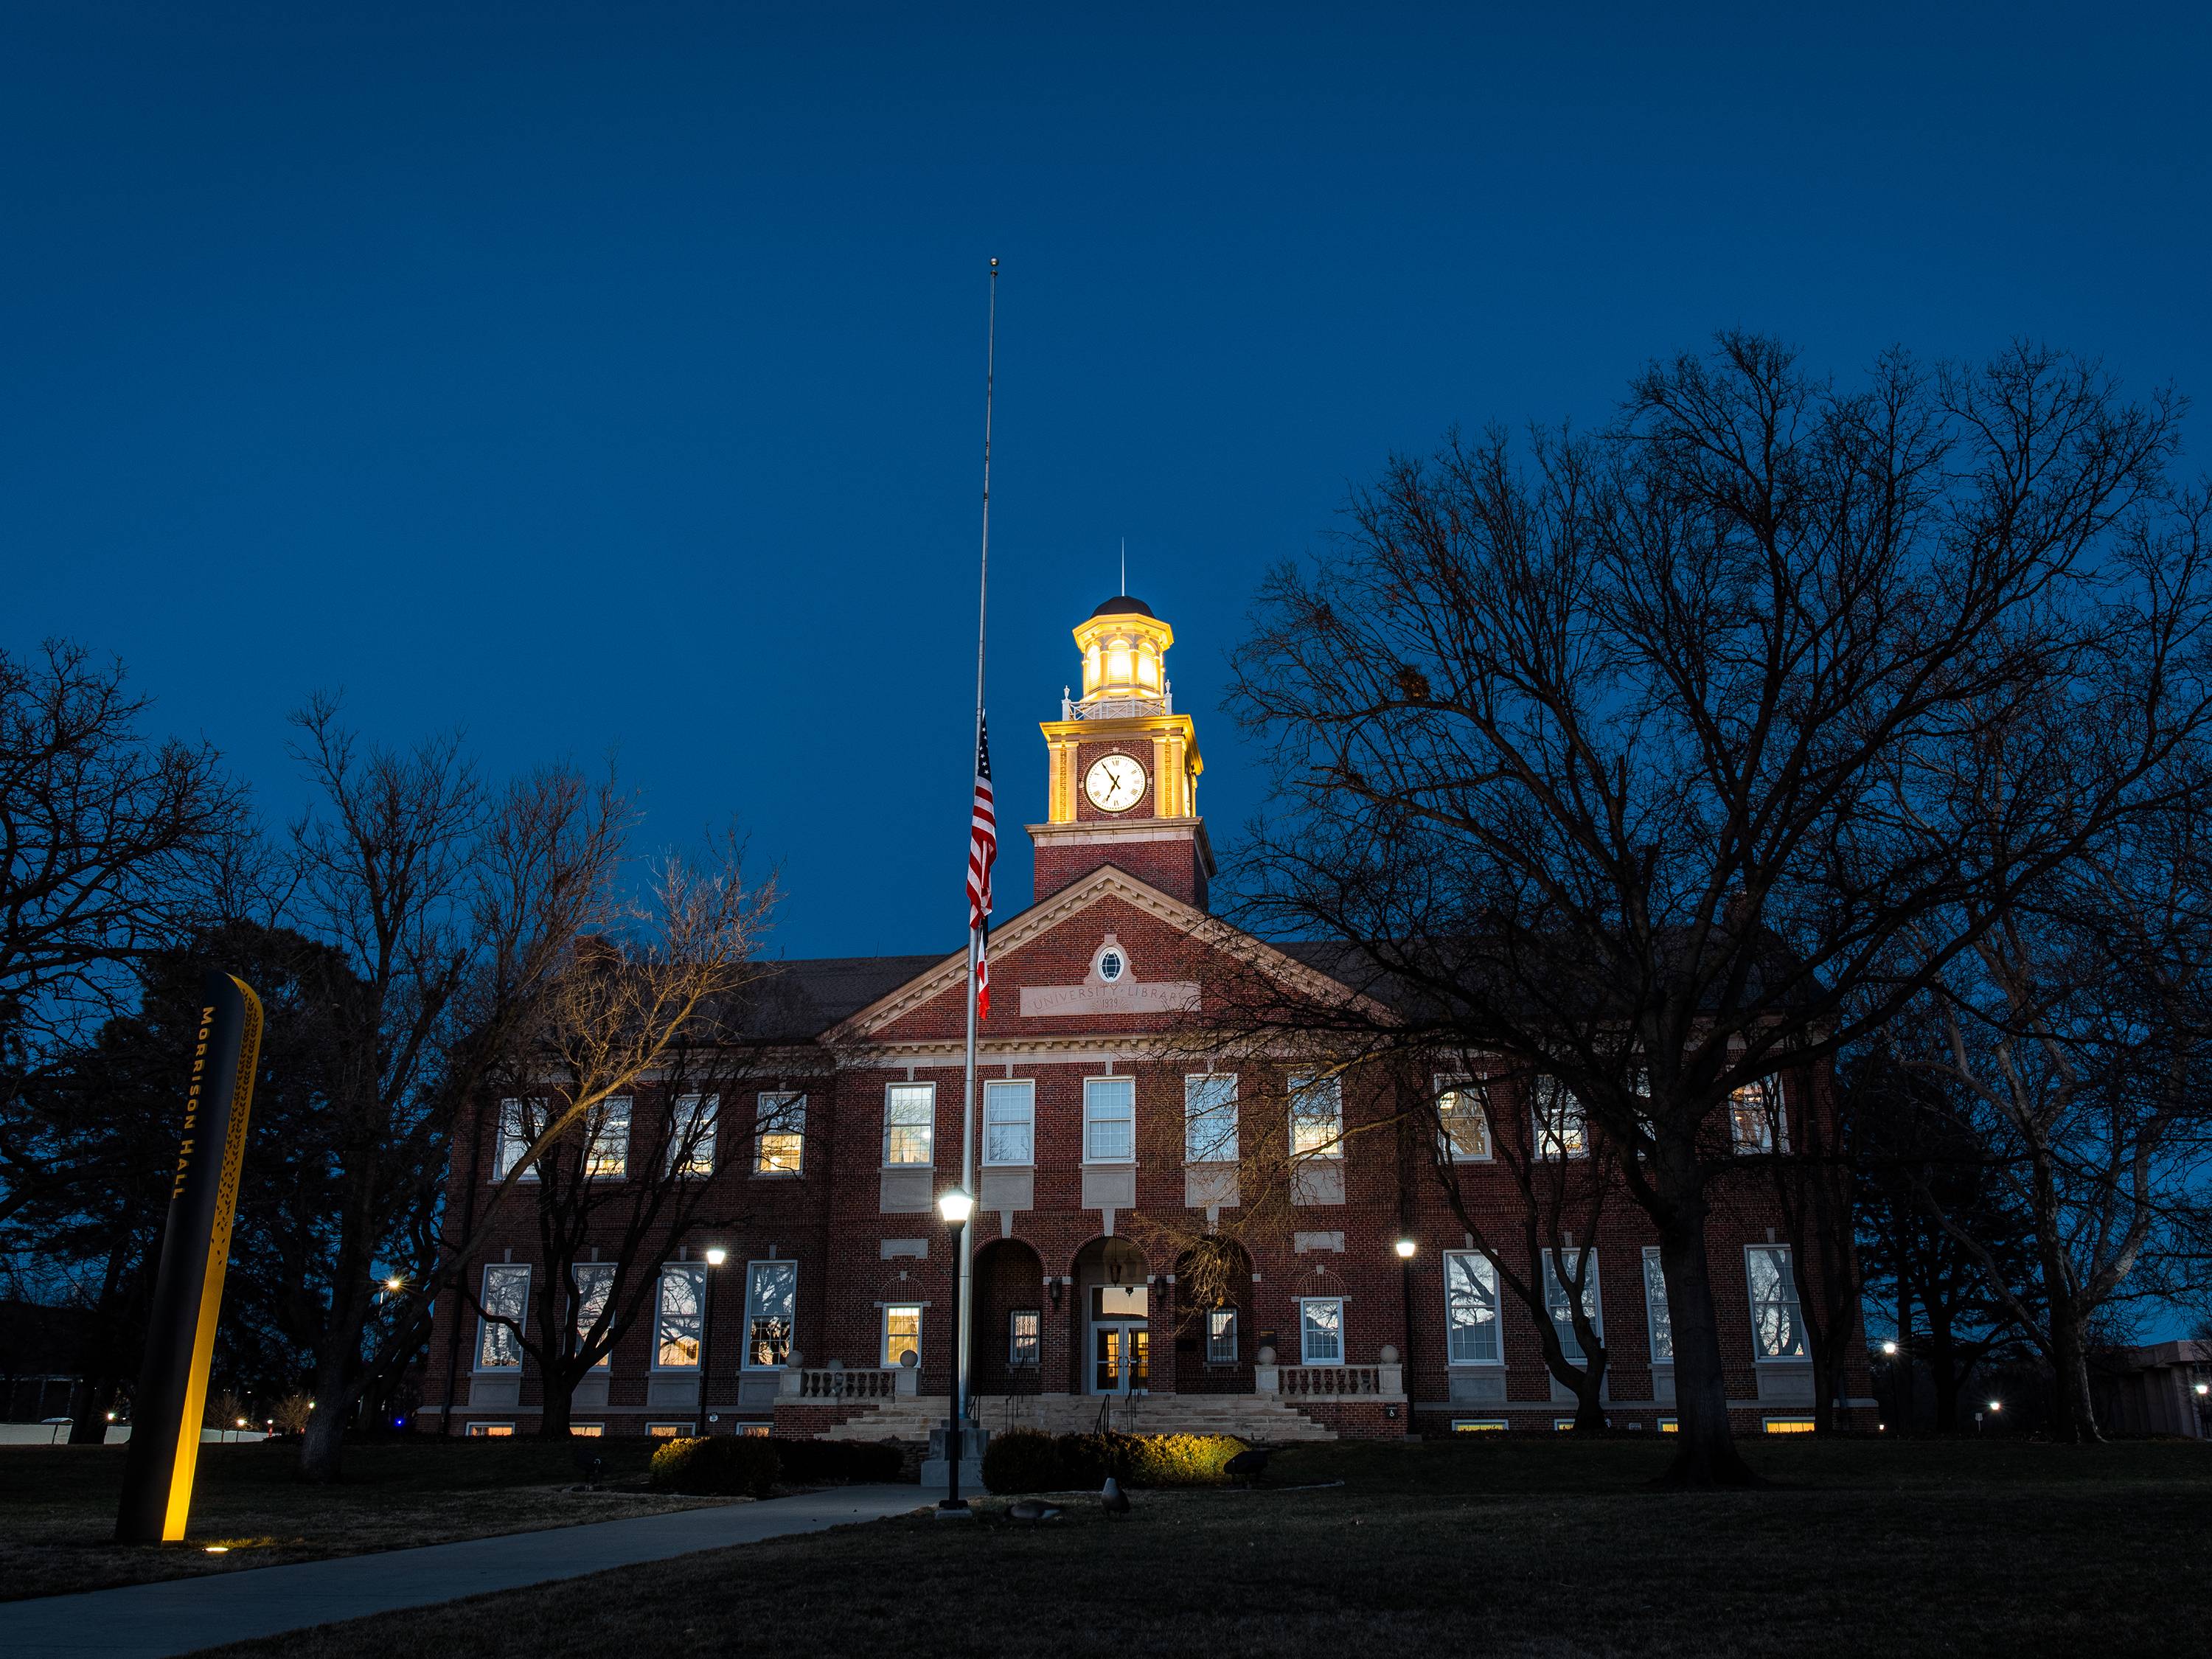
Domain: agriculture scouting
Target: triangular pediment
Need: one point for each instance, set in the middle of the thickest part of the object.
(1101, 886)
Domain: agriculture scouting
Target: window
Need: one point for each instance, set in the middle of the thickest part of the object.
(909, 1124)
(902, 1333)
(1112, 964)
(754, 1431)
(1471, 1309)
(1025, 1338)
(1461, 1122)
(520, 1122)
(595, 1281)
(1316, 1117)
(669, 1430)
(691, 1130)
(1556, 1118)
(1555, 1299)
(1010, 1121)
(491, 1430)
(1209, 1118)
(771, 1305)
(505, 1296)
(1109, 1120)
(1221, 1336)
(779, 1134)
(1661, 1323)
(1563, 1425)
(1321, 1330)
(1787, 1424)
(1669, 1426)
(1777, 1324)
(1478, 1425)
(681, 1318)
(606, 1148)
(587, 1431)
(1755, 1123)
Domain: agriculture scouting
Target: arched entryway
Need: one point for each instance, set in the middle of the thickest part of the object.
(1110, 1315)
(1008, 1325)
(1213, 1318)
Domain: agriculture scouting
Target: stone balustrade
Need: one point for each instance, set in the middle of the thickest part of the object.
(823, 1383)
(1331, 1381)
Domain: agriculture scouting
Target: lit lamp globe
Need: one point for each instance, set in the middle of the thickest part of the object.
(716, 1255)
(1405, 1248)
(956, 1206)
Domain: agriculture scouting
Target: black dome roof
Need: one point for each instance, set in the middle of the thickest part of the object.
(1121, 605)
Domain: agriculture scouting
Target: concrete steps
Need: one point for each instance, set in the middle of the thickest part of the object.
(1249, 1417)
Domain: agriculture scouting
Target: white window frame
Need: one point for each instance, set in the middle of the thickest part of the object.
(1555, 1301)
(488, 1328)
(1010, 1103)
(682, 1122)
(780, 1113)
(604, 1274)
(605, 1159)
(1306, 1356)
(1556, 1131)
(1098, 1094)
(1216, 1353)
(1467, 1091)
(488, 1431)
(890, 1361)
(1766, 1114)
(514, 1136)
(1209, 1124)
(696, 1272)
(1307, 1087)
(784, 1267)
(910, 1094)
(1480, 1425)
(1789, 1300)
(664, 1430)
(587, 1431)
(1485, 1273)
(1014, 1360)
(1658, 1319)
(1794, 1423)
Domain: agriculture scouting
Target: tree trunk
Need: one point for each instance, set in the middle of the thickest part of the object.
(1707, 1454)
(2069, 1359)
(1589, 1401)
(559, 1387)
(1943, 1370)
(91, 1401)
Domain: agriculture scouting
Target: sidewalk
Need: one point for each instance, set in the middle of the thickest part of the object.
(150, 1621)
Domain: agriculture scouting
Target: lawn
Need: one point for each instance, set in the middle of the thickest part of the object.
(57, 1506)
(1508, 1546)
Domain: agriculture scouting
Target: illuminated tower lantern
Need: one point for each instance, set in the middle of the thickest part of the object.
(1124, 774)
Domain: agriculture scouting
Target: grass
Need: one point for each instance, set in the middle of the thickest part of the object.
(57, 1506)
(1508, 1546)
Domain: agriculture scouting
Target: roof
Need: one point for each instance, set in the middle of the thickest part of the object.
(797, 1002)
(1122, 605)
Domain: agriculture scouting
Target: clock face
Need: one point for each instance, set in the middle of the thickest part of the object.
(1114, 783)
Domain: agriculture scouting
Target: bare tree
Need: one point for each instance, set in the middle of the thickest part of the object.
(112, 845)
(455, 911)
(2075, 1040)
(657, 1045)
(1597, 746)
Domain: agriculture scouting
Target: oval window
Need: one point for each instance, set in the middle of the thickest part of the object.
(1110, 966)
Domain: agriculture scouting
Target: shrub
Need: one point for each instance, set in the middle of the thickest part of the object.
(1182, 1460)
(1024, 1459)
(717, 1464)
(1143, 1460)
(813, 1462)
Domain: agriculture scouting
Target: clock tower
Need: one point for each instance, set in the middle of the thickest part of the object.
(1123, 786)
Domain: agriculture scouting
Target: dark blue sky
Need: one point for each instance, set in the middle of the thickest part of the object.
(609, 376)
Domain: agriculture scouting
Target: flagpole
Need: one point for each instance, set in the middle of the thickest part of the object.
(965, 1344)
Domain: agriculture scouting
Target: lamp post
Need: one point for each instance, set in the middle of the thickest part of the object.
(1406, 1249)
(715, 1256)
(956, 1206)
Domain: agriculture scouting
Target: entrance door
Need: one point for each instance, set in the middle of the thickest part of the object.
(1121, 1358)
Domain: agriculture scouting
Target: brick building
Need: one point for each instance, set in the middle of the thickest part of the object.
(1104, 1133)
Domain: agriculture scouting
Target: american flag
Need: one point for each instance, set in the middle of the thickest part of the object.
(982, 852)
